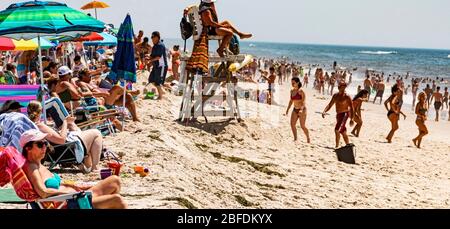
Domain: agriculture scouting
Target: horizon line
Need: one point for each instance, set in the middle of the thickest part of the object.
(339, 45)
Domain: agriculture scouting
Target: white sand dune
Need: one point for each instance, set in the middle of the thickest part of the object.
(256, 164)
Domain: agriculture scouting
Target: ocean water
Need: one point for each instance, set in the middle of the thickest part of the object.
(419, 62)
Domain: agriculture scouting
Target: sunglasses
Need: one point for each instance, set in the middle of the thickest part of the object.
(41, 144)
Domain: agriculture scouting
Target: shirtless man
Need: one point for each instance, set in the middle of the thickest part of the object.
(438, 99)
(380, 91)
(429, 92)
(344, 110)
(368, 86)
(271, 81)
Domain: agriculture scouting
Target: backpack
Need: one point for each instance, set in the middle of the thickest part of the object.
(234, 45)
(187, 30)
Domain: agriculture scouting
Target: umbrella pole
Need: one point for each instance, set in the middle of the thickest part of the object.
(96, 13)
(41, 71)
(124, 101)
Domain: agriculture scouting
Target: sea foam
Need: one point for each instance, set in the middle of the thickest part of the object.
(378, 52)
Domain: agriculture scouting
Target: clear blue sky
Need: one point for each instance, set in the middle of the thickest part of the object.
(393, 23)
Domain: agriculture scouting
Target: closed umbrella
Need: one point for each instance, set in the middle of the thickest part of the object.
(95, 5)
(32, 19)
(124, 65)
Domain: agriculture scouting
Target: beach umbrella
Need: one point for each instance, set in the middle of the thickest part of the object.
(124, 65)
(95, 5)
(8, 44)
(107, 40)
(33, 19)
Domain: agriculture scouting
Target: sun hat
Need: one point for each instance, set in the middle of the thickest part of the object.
(31, 136)
(208, 1)
(64, 70)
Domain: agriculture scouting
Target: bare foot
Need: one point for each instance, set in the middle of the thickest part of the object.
(308, 141)
(415, 142)
(245, 35)
(220, 52)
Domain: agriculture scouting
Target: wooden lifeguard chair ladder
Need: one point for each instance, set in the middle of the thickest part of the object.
(198, 89)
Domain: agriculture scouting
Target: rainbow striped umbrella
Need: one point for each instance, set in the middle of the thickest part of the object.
(8, 44)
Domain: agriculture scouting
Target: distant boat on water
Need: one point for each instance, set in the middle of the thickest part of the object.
(448, 56)
(252, 45)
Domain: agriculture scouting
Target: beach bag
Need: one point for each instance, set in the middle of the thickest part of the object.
(187, 30)
(347, 154)
(234, 45)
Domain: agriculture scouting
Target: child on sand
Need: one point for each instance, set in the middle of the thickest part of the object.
(344, 110)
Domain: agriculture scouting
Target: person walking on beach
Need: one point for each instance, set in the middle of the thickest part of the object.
(357, 104)
(421, 112)
(298, 99)
(438, 98)
(380, 91)
(429, 92)
(446, 95)
(176, 55)
(414, 90)
(306, 80)
(160, 66)
(368, 86)
(271, 84)
(395, 103)
(344, 110)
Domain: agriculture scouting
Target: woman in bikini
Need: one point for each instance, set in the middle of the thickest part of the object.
(105, 194)
(175, 53)
(421, 112)
(298, 99)
(357, 104)
(394, 110)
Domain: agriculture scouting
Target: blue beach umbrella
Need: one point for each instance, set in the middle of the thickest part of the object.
(124, 66)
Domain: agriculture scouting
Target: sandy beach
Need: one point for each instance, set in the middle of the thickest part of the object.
(255, 164)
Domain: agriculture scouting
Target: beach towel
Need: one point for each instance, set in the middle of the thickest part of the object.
(9, 196)
(199, 59)
(79, 149)
(13, 126)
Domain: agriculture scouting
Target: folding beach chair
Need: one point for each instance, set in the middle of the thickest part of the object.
(13, 125)
(11, 163)
(86, 118)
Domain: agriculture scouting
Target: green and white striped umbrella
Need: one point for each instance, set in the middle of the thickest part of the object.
(28, 19)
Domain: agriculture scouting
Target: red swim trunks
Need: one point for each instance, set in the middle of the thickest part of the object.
(342, 122)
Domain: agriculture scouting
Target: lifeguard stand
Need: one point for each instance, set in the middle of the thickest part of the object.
(198, 89)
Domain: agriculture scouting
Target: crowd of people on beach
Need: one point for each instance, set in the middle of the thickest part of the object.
(372, 89)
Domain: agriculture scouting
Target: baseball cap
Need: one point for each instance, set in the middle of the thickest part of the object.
(31, 136)
(64, 70)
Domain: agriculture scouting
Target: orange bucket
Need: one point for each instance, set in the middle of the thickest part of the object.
(115, 167)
